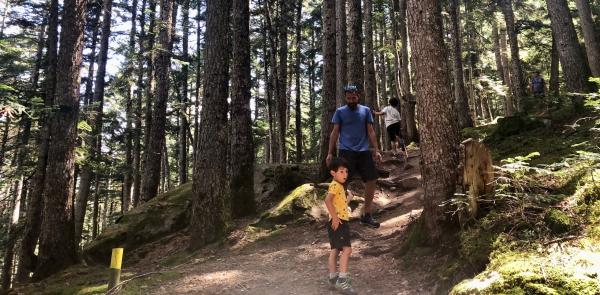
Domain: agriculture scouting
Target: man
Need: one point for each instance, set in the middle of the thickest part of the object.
(537, 85)
(353, 126)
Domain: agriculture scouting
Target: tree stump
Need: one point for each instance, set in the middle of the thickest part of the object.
(477, 172)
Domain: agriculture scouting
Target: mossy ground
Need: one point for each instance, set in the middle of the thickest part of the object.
(541, 235)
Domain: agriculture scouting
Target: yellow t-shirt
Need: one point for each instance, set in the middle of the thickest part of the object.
(339, 200)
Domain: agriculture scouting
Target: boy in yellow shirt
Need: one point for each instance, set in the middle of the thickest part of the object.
(338, 227)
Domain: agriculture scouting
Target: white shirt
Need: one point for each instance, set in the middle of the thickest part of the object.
(391, 115)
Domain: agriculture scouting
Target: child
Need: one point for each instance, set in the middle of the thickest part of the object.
(338, 227)
(392, 124)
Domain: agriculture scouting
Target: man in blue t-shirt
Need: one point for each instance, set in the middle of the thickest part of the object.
(353, 126)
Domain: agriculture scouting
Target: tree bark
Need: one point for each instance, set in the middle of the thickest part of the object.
(137, 140)
(281, 90)
(497, 53)
(508, 76)
(439, 135)
(590, 36)
(156, 139)
(460, 94)
(183, 118)
(241, 164)
(33, 221)
(517, 81)
(355, 46)
(96, 209)
(554, 67)
(58, 247)
(574, 65)
(128, 173)
(341, 57)
(298, 107)
(15, 205)
(210, 211)
(95, 138)
(370, 83)
(329, 80)
(407, 100)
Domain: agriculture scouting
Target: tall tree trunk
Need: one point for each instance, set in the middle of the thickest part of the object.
(439, 134)
(329, 80)
(156, 136)
(95, 139)
(267, 83)
(128, 173)
(183, 119)
(370, 83)
(137, 141)
(199, 52)
(341, 57)
(96, 209)
(298, 109)
(590, 36)
(281, 91)
(497, 53)
(4, 140)
(517, 81)
(89, 83)
(9, 246)
(508, 76)
(355, 46)
(407, 101)
(210, 211)
(312, 117)
(58, 247)
(460, 94)
(241, 164)
(149, 93)
(574, 65)
(33, 221)
(554, 67)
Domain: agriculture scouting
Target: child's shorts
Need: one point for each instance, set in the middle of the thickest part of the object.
(340, 237)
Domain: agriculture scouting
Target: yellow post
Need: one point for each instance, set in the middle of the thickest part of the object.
(115, 267)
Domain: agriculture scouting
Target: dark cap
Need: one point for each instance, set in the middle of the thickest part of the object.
(351, 88)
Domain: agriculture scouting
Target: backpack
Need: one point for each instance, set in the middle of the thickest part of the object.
(537, 83)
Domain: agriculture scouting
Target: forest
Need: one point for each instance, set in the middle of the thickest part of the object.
(194, 134)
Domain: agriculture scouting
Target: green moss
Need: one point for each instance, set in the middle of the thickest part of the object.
(558, 221)
(476, 244)
(293, 206)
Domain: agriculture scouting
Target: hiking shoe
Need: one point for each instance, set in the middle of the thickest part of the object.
(345, 286)
(332, 282)
(367, 219)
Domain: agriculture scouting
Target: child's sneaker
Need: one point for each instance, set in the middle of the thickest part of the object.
(345, 286)
(332, 282)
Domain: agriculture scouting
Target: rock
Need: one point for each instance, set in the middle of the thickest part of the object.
(304, 201)
(558, 221)
(275, 181)
(410, 183)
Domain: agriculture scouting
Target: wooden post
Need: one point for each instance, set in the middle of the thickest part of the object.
(115, 267)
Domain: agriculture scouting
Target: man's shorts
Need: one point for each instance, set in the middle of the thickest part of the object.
(361, 163)
(339, 238)
(393, 131)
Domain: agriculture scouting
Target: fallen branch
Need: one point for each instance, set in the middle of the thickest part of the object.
(563, 239)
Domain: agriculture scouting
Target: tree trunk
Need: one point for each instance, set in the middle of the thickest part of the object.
(312, 117)
(460, 94)
(574, 65)
(554, 67)
(439, 134)
(210, 211)
(282, 79)
(58, 247)
(33, 221)
(96, 208)
(156, 136)
(590, 36)
(95, 139)
(15, 205)
(298, 109)
(355, 46)
(149, 94)
(183, 119)
(137, 141)
(128, 173)
(407, 101)
(508, 76)
(370, 83)
(89, 83)
(517, 81)
(341, 57)
(497, 52)
(241, 163)
(329, 80)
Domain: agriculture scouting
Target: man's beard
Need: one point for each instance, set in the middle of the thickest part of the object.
(352, 106)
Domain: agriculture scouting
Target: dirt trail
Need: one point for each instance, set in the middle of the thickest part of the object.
(294, 261)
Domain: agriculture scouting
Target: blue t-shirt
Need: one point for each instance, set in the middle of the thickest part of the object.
(353, 127)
